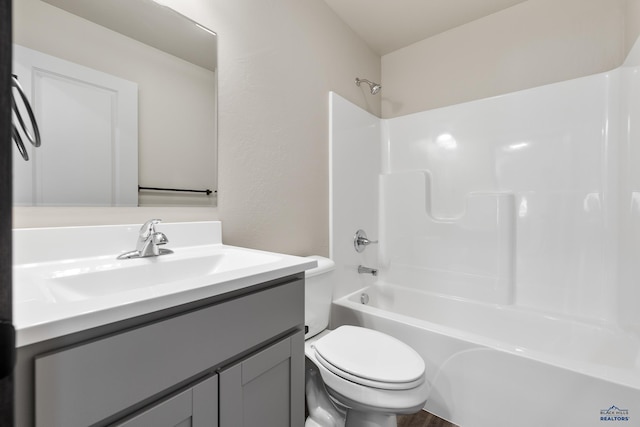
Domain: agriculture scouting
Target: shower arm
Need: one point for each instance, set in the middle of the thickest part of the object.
(359, 80)
(373, 87)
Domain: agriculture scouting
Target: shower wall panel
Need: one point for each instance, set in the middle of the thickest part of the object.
(549, 147)
(558, 230)
(354, 168)
(470, 256)
(628, 292)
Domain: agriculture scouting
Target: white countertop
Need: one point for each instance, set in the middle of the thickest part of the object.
(73, 256)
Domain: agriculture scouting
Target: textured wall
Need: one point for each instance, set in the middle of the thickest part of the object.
(632, 23)
(276, 68)
(528, 45)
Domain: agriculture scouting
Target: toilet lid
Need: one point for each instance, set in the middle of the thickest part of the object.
(371, 355)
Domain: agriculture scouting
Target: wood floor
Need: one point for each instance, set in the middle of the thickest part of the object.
(422, 419)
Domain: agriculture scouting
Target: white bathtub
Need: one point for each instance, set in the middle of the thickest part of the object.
(504, 366)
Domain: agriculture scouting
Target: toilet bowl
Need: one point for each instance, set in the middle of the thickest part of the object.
(356, 377)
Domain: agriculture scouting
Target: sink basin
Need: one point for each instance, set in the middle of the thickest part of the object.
(60, 289)
(96, 281)
(101, 276)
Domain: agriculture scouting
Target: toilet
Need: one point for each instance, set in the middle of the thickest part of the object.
(355, 377)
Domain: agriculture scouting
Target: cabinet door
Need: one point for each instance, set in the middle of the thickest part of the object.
(195, 407)
(88, 380)
(266, 389)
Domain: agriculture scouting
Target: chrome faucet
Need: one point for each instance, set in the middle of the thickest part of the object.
(362, 269)
(149, 242)
(360, 241)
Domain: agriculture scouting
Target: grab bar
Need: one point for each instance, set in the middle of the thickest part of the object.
(34, 138)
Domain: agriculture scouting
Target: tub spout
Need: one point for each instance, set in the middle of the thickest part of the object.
(366, 270)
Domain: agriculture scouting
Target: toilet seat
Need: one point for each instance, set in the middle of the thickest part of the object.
(370, 358)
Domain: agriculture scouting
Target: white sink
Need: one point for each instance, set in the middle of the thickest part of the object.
(99, 277)
(62, 289)
(94, 281)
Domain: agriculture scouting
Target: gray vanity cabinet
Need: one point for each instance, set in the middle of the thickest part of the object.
(257, 391)
(231, 361)
(194, 407)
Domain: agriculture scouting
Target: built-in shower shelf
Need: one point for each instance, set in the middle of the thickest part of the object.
(470, 256)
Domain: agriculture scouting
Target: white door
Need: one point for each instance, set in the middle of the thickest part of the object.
(88, 121)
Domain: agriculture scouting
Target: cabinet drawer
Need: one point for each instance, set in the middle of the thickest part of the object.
(88, 383)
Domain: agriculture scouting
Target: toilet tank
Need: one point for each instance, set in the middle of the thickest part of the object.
(318, 295)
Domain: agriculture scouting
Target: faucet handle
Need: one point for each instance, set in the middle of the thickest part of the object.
(149, 228)
(360, 241)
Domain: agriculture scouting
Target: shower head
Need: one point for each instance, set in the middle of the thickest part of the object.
(374, 87)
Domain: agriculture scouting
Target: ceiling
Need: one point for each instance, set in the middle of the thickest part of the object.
(388, 25)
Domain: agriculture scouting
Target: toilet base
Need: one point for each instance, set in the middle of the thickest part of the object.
(370, 419)
(324, 412)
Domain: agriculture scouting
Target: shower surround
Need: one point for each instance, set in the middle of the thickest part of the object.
(509, 225)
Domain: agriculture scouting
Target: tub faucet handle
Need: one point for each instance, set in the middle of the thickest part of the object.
(360, 241)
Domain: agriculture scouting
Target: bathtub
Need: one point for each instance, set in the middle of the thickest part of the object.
(506, 366)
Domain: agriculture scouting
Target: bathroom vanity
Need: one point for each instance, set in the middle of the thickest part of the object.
(226, 352)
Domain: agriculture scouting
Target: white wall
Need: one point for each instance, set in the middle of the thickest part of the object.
(276, 68)
(531, 44)
(278, 60)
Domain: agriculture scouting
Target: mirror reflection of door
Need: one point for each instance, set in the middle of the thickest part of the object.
(94, 164)
(172, 59)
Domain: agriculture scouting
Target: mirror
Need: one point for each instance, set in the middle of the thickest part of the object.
(168, 60)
